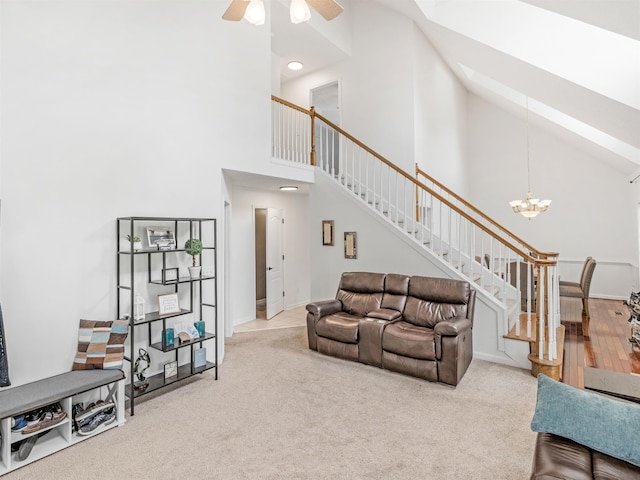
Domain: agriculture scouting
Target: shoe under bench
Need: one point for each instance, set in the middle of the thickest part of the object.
(67, 388)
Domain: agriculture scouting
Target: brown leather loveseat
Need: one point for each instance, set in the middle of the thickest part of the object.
(418, 326)
(558, 457)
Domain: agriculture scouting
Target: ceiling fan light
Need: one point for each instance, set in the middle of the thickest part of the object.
(299, 11)
(255, 13)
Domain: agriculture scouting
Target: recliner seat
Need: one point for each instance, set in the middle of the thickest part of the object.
(419, 326)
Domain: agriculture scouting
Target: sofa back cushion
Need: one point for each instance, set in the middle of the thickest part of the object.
(396, 289)
(360, 292)
(432, 300)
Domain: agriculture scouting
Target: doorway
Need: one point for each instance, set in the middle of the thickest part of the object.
(269, 262)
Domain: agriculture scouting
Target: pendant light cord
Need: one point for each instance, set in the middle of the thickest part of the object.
(528, 159)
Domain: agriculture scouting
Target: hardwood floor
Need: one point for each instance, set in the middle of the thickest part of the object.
(600, 342)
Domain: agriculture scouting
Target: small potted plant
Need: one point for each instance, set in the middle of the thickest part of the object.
(137, 242)
(193, 247)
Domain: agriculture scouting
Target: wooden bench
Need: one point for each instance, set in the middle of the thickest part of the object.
(59, 388)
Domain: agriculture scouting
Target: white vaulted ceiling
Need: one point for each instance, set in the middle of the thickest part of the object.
(576, 61)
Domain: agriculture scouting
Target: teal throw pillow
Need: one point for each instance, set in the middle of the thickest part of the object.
(603, 424)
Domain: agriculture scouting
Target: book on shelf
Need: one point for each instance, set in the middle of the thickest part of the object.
(199, 357)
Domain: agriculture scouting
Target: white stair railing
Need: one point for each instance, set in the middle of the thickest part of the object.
(488, 255)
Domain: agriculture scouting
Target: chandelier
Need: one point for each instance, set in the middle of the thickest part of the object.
(529, 207)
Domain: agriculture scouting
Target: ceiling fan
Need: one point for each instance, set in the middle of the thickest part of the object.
(253, 10)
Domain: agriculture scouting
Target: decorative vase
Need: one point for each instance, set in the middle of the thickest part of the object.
(137, 246)
(194, 272)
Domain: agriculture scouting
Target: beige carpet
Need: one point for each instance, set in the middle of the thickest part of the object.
(281, 411)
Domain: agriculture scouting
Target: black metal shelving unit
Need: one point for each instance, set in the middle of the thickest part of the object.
(203, 295)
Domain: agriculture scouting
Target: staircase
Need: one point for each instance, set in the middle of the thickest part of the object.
(512, 278)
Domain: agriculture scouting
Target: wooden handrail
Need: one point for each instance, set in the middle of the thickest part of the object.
(419, 171)
(536, 261)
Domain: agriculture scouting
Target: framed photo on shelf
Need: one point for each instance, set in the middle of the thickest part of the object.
(161, 238)
(327, 232)
(168, 304)
(350, 247)
(169, 275)
(170, 371)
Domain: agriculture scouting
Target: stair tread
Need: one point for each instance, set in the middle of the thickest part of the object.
(523, 329)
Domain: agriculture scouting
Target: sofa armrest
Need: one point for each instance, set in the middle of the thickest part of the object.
(387, 314)
(452, 327)
(324, 307)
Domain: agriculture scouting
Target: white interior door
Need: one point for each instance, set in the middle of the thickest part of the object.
(275, 263)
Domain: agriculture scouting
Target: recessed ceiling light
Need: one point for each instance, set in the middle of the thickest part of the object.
(295, 65)
(288, 188)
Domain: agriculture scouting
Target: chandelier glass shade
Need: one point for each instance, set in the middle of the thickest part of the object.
(529, 207)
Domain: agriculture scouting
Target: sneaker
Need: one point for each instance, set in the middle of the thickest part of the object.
(25, 447)
(34, 416)
(18, 423)
(103, 418)
(84, 416)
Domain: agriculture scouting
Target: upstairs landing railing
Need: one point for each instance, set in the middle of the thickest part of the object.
(495, 260)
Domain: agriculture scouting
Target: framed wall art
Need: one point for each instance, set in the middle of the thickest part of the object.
(350, 247)
(327, 232)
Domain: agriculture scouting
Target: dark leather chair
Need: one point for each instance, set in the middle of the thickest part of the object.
(433, 339)
(580, 290)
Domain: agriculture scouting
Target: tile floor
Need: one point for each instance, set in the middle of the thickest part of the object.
(296, 317)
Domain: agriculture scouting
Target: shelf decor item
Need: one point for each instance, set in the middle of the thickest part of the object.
(193, 247)
(143, 356)
(199, 357)
(199, 327)
(138, 308)
(170, 371)
(168, 337)
(161, 238)
(169, 275)
(168, 304)
(137, 242)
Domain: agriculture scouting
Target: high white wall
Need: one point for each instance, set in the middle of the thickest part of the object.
(593, 210)
(440, 118)
(111, 109)
(376, 83)
(398, 96)
(295, 207)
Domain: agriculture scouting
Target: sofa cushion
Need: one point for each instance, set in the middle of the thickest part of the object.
(432, 300)
(408, 340)
(360, 292)
(603, 424)
(341, 326)
(556, 457)
(396, 289)
(610, 468)
(441, 290)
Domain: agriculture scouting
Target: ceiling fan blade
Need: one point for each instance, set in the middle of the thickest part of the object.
(329, 9)
(236, 10)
